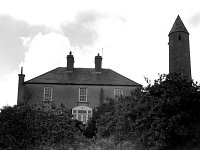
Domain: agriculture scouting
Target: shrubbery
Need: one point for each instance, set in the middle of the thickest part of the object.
(165, 115)
(25, 127)
(162, 116)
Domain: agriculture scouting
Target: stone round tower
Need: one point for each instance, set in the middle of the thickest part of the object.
(179, 49)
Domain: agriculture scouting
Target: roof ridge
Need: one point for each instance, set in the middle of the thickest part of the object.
(86, 76)
(84, 68)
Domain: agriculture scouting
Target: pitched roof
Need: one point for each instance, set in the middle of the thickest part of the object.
(178, 26)
(82, 76)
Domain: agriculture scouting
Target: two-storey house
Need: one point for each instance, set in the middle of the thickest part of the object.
(79, 89)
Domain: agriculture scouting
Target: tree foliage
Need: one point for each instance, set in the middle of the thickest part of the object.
(162, 116)
(25, 127)
(165, 115)
(100, 111)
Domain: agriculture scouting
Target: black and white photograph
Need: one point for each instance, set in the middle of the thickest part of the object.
(99, 75)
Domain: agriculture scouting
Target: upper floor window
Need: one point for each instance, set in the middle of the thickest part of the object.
(83, 95)
(118, 93)
(48, 93)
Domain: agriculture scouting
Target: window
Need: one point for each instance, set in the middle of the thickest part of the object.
(74, 114)
(89, 114)
(179, 37)
(82, 113)
(84, 119)
(118, 93)
(48, 94)
(82, 95)
(79, 117)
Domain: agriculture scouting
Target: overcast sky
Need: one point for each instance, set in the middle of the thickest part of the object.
(38, 35)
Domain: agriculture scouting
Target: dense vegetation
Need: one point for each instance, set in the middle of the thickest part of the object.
(162, 116)
(165, 115)
(25, 127)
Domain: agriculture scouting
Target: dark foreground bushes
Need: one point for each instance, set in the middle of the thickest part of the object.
(163, 116)
(25, 127)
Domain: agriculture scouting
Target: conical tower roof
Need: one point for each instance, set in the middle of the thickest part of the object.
(178, 26)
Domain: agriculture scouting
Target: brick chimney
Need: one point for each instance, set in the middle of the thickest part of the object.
(70, 62)
(98, 62)
(20, 96)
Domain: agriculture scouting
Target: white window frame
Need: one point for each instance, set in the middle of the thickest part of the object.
(81, 116)
(83, 95)
(50, 90)
(118, 92)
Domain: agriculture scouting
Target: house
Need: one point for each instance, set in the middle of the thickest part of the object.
(79, 89)
(82, 89)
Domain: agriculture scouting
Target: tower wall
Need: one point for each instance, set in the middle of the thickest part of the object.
(179, 50)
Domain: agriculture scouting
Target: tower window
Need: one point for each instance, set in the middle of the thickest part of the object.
(179, 37)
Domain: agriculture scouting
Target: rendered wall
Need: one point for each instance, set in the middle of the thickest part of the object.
(69, 94)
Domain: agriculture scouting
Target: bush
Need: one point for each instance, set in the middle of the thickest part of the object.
(165, 115)
(25, 127)
(100, 111)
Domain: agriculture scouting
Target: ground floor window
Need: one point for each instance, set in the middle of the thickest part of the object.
(82, 113)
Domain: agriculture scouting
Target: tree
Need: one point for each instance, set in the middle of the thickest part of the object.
(116, 123)
(165, 115)
(100, 111)
(26, 127)
(172, 113)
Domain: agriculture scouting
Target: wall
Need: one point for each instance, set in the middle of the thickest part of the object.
(179, 54)
(69, 94)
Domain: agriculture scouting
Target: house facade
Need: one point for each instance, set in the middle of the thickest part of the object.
(78, 89)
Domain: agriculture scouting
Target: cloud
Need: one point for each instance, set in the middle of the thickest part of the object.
(8, 88)
(39, 49)
(45, 52)
(12, 49)
(82, 31)
(195, 19)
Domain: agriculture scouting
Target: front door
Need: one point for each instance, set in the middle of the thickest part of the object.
(82, 113)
